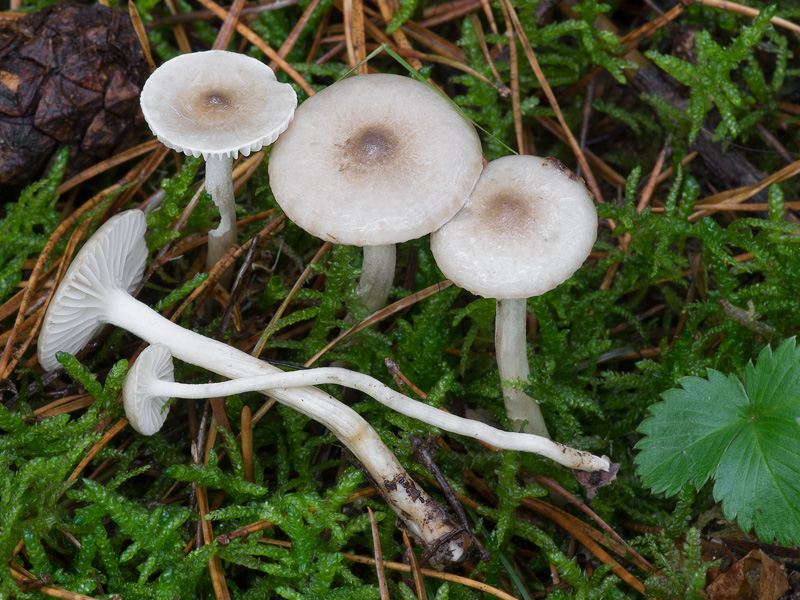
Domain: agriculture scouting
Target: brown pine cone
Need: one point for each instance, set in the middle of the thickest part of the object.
(69, 75)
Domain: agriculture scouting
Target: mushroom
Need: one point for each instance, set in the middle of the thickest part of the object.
(528, 226)
(217, 104)
(150, 383)
(373, 161)
(96, 291)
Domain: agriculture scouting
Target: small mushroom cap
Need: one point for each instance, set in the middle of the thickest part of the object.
(216, 103)
(144, 409)
(375, 160)
(113, 258)
(527, 227)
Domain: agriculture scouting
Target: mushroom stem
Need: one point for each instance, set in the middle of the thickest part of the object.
(377, 274)
(219, 184)
(512, 362)
(569, 457)
(422, 515)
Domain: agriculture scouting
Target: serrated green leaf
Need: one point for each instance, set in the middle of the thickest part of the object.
(745, 436)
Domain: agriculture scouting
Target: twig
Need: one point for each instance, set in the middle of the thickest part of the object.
(412, 562)
(376, 543)
(226, 31)
(247, 443)
(749, 12)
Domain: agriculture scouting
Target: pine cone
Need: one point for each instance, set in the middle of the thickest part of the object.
(69, 75)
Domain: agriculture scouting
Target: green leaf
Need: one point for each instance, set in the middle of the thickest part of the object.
(744, 435)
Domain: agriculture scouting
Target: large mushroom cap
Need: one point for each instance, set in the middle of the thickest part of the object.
(143, 409)
(113, 258)
(375, 160)
(527, 227)
(216, 103)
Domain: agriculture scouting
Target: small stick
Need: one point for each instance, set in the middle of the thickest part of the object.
(294, 34)
(214, 563)
(247, 443)
(412, 562)
(749, 12)
(226, 31)
(422, 450)
(476, 24)
(226, 538)
(514, 67)
(107, 164)
(141, 34)
(97, 447)
(178, 30)
(397, 375)
(397, 35)
(355, 36)
(376, 542)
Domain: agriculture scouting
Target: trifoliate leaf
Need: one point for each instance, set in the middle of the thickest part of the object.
(745, 436)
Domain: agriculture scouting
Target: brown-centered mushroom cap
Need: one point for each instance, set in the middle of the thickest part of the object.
(527, 227)
(374, 160)
(216, 103)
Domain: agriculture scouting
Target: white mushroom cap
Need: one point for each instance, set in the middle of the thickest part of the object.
(375, 160)
(216, 103)
(114, 257)
(144, 409)
(527, 227)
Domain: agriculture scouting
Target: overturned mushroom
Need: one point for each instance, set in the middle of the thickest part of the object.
(150, 383)
(217, 104)
(373, 161)
(526, 228)
(96, 290)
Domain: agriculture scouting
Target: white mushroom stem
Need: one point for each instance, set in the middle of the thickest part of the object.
(512, 362)
(377, 274)
(219, 184)
(569, 457)
(422, 515)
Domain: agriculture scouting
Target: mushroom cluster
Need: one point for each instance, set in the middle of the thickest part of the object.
(96, 290)
(370, 161)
